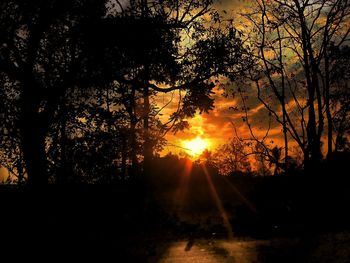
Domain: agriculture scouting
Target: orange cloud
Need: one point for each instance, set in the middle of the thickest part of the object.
(218, 125)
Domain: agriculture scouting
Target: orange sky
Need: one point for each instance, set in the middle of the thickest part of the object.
(217, 126)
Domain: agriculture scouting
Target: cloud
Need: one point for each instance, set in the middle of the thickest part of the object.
(235, 5)
(218, 125)
(228, 113)
(3, 174)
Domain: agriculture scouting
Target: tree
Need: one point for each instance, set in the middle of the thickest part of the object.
(340, 96)
(291, 41)
(71, 64)
(40, 52)
(263, 160)
(165, 63)
(231, 158)
(11, 156)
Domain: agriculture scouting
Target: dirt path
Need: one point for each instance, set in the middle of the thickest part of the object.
(324, 248)
(204, 251)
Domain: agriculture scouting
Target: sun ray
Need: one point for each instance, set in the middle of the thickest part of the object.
(182, 187)
(218, 203)
(241, 196)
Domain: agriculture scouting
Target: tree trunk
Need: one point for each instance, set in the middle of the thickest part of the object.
(283, 101)
(124, 156)
(63, 171)
(33, 133)
(147, 147)
(313, 147)
(327, 102)
(133, 145)
(20, 169)
(284, 119)
(317, 152)
(33, 145)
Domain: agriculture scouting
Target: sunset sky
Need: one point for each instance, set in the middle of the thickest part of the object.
(217, 126)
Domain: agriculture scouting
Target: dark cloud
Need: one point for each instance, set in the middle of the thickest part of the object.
(231, 4)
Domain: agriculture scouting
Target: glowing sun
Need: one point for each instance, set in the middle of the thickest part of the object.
(196, 146)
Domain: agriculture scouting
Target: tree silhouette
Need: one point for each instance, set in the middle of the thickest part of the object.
(11, 155)
(80, 63)
(40, 52)
(340, 96)
(231, 158)
(164, 64)
(292, 42)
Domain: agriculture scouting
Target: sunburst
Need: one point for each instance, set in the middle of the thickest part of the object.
(196, 146)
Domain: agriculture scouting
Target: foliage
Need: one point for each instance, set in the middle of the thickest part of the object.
(340, 96)
(79, 77)
(231, 158)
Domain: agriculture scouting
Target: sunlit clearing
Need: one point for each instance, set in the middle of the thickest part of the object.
(196, 146)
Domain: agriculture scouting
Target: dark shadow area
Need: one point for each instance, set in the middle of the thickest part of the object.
(137, 220)
(189, 244)
(81, 222)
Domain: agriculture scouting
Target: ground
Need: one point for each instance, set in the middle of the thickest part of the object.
(245, 220)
